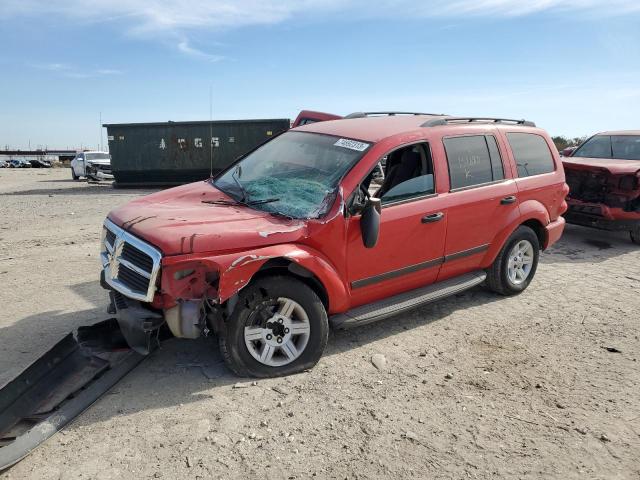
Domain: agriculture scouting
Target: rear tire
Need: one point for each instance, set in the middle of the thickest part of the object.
(278, 327)
(516, 264)
(635, 236)
(73, 174)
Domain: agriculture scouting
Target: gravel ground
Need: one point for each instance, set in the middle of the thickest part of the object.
(474, 386)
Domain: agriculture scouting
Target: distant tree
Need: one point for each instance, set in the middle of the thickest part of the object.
(560, 142)
(563, 142)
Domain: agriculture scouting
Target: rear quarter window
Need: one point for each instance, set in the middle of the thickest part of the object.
(531, 153)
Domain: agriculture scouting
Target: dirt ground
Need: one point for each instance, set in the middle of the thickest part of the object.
(475, 386)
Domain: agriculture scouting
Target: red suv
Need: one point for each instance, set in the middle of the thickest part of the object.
(604, 179)
(294, 237)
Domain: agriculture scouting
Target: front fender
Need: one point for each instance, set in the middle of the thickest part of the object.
(234, 271)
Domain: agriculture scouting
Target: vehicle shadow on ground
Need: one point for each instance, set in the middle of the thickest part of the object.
(588, 245)
(188, 371)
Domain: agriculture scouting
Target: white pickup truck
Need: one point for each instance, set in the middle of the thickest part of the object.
(92, 165)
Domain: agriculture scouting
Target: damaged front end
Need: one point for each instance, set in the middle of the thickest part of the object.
(601, 199)
(130, 270)
(133, 272)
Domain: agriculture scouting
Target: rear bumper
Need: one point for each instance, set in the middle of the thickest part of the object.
(594, 221)
(554, 231)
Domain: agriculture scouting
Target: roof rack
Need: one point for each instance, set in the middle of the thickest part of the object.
(389, 114)
(435, 122)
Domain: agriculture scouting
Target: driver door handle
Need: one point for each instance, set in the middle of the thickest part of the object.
(434, 217)
(508, 200)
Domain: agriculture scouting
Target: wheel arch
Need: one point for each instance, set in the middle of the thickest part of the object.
(301, 262)
(286, 266)
(533, 215)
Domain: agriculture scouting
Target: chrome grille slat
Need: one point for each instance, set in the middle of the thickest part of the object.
(131, 266)
(134, 268)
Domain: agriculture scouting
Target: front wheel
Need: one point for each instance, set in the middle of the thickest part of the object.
(278, 327)
(516, 264)
(635, 235)
(73, 174)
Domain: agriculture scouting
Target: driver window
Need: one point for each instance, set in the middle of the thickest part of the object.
(408, 173)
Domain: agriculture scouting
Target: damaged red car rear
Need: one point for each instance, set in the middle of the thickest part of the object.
(604, 180)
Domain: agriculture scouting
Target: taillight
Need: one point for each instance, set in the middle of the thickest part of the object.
(629, 182)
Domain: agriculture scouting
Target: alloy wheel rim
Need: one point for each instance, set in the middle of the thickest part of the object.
(520, 263)
(282, 338)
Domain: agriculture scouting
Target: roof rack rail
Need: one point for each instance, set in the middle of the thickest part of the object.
(435, 122)
(389, 114)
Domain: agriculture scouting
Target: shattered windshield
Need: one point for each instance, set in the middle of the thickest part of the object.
(295, 174)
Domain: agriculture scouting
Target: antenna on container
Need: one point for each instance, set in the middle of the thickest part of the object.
(210, 132)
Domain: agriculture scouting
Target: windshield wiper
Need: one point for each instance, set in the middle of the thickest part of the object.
(239, 202)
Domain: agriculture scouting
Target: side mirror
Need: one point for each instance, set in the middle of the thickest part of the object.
(370, 222)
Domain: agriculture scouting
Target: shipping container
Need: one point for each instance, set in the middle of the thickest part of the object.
(174, 153)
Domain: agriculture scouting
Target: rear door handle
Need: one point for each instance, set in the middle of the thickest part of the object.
(508, 200)
(434, 217)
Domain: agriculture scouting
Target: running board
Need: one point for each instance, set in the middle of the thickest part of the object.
(388, 307)
(60, 385)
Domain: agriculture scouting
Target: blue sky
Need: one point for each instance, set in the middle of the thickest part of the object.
(573, 66)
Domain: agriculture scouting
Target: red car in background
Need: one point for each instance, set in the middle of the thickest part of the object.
(604, 180)
(306, 117)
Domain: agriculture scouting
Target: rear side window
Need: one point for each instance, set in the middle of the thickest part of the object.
(473, 160)
(531, 153)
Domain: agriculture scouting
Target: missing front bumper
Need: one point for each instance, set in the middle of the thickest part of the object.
(139, 325)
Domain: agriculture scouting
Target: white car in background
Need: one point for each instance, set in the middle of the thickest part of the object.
(91, 165)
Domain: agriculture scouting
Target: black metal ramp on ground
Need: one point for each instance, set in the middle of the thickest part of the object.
(59, 386)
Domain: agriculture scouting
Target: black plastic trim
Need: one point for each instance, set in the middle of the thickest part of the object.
(466, 253)
(365, 282)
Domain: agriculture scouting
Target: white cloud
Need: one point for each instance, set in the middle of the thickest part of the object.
(185, 47)
(171, 21)
(149, 16)
(72, 71)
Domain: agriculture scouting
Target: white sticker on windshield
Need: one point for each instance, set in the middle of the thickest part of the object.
(352, 145)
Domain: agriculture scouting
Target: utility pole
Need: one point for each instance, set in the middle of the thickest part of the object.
(101, 131)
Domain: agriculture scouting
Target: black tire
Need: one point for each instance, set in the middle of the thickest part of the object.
(497, 275)
(635, 235)
(73, 174)
(254, 305)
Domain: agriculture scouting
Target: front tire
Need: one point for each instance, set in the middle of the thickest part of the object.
(73, 175)
(516, 264)
(278, 327)
(635, 235)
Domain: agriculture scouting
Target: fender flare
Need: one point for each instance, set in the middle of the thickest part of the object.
(529, 210)
(237, 270)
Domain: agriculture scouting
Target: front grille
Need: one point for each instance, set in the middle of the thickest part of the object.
(110, 237)
(131, 266)
(586, 185)
(132, 279)
(137, 257)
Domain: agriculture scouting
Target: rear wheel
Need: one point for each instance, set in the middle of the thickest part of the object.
(635, 236)
(73, 174)
(516, 264)
(278, 327)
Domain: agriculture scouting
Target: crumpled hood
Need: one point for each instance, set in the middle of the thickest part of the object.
(617, 167)
(178, 222)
